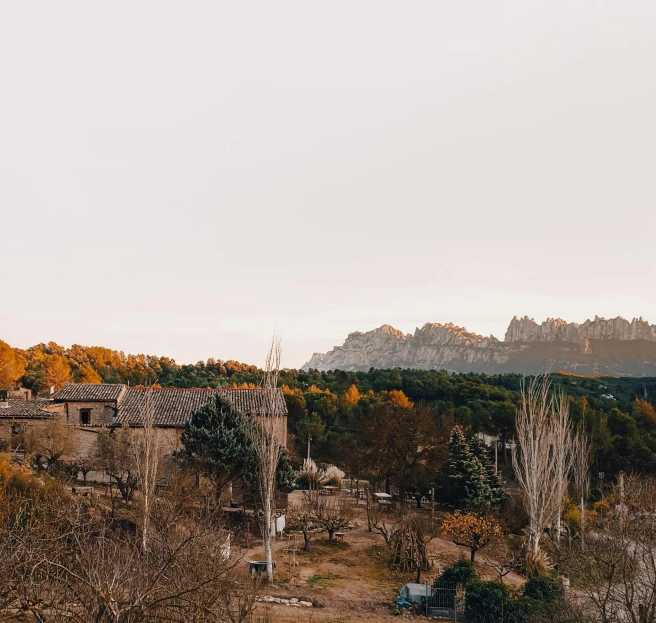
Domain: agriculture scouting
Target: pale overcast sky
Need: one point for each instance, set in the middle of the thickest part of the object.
(180, 178)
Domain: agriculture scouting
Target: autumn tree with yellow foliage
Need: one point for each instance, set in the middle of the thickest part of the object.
(351, 396)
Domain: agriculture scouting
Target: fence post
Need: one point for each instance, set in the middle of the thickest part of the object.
(455, 608)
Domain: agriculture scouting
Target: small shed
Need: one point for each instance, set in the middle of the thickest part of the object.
(415, 593)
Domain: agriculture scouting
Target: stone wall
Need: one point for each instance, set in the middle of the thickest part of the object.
(102, 413)
(9, 441)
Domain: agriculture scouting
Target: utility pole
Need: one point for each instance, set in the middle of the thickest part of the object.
(309, 440)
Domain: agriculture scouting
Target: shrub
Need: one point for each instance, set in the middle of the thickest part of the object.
(573, 518)
(486, 602)
(513, 514)
(601, 507)
(595, 495)
(302, 481)
(461, 573)
(333, 476)
(520, 610)
(543, 589)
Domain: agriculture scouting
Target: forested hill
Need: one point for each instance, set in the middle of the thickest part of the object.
(331, 406)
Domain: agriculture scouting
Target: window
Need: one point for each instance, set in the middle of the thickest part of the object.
(17, 429)
(85, 417)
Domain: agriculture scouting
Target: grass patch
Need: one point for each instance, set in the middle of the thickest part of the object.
(322, 581)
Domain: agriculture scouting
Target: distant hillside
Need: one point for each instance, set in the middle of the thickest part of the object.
(615, 347)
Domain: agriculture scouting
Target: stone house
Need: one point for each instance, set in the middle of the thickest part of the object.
(17, 415)
(89, 408)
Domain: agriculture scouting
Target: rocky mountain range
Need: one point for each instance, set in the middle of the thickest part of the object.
(600, 346)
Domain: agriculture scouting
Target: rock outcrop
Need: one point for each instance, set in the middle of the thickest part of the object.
(598, 346)
(555, 329)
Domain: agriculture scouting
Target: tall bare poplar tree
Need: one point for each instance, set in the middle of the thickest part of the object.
(265, 431)
(581, 472)
(146, 447)
(561, 429)
(536, 464)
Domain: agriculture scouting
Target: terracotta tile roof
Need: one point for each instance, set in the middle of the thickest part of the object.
(24, 409)
(90, 392)
(173, 407)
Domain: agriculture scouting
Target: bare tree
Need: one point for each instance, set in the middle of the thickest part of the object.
(303, 517)
(334, 515)
(266, 435)
(504, 557)
(536, 465)
(113, 451)
(384, 523)
(581, 472)
(614, 576)
(147, 456)
(48, 445)
(561, 430)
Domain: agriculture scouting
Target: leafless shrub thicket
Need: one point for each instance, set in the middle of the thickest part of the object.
(63, 560)
(407, 536)
(613, 574)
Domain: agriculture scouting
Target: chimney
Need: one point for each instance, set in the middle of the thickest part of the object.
(4, 404)
(52, 390)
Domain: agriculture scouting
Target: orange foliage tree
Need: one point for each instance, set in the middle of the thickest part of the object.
(12, 366)
(471, 530)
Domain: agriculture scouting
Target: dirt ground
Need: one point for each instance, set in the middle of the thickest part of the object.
(350, 580)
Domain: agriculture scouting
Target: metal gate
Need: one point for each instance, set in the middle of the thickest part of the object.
(442, 601)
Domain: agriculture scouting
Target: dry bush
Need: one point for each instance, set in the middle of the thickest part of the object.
(407, 536)
(65, 561)
(613, 570)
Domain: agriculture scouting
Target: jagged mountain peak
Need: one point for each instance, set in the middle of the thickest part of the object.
(604, 345)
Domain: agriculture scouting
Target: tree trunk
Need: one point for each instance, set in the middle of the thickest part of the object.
(582, 509)
(473, 555)
(330, 535)
(368, 512)
(387, 485)
(306, 540)
(533, 549)
(267, 538)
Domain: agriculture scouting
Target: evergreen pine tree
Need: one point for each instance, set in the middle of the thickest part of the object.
(493, 480)
(216, 440)
(463, 482)
(217, 443)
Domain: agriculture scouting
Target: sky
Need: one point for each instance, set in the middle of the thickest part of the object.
(184, 178)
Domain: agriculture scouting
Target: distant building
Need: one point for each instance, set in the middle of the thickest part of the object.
(89, 408)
